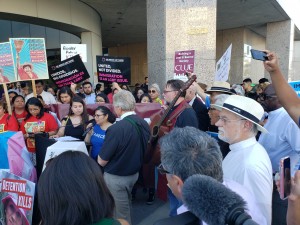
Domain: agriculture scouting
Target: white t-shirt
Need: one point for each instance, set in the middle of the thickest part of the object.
(47, 97)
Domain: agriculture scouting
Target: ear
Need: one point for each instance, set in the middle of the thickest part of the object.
(179, 184)
(248, 125)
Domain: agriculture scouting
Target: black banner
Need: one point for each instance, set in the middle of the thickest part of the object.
(113, 69)
(71, 70)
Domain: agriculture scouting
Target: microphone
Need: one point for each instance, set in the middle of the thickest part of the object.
(91, 127)
(214, 203)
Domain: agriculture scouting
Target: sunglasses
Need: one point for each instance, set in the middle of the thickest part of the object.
(162, 170)
(151, 91)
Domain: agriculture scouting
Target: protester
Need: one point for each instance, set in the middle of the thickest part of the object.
(90, 97)
(98, 89)
(145, 84)
(139, 92)
(145, 98)
(188, 151)
(123, 152)
(7, 122)
(18, 103)
(11, 94)
(286, 95)
(46, 109)
(51, 91)
(101, 98)
(65, 95)
(48, 98)
(282, 140)
(75, 123)
(250, 89)
(36, 121)
(154, 92)
(248, 162)
(71, 190)
(104, 119)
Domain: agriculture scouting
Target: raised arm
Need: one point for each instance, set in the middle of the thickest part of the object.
(286, 95)
(293, 215)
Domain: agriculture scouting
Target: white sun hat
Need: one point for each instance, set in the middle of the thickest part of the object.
(244, 107)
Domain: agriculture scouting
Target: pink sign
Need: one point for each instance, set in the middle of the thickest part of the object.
(184, 61)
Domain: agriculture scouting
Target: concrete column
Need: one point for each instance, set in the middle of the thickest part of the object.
(94, 47)
(177, 25)
(280, 38)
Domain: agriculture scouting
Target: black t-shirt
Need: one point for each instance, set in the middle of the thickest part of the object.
(72, 131)
(188, 117)
(122, 147)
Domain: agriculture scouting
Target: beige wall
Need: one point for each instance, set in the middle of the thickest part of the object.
(138, 55)
(296, 62)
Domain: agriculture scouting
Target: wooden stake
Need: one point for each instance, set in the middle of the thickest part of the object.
(33, 88)
(7, 99)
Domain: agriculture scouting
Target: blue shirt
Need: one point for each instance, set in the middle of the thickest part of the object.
(90, 99)
(97, 140)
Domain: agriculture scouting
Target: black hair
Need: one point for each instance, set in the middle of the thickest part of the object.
(72, 191)
(87, 82)
(15, 97)
(13, 92)
(39, 81)
(65, 90)
(145, 95)
(102, 95)
(247, 80)
(98, 87)
(84, 115)
(263, 80)
(176, 85)
(34, 101)
(106, 111)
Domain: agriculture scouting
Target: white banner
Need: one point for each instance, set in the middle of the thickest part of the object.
(223, 66)
(70, 50)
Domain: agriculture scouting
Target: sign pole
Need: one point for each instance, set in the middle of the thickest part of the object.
(33, 88)
(7, 99)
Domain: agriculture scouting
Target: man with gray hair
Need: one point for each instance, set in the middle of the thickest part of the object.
(247, 162)
(188, 151)
(122, 152)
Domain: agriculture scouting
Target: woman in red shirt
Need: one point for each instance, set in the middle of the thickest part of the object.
(19, 111)
(36, 121)
(7, 122)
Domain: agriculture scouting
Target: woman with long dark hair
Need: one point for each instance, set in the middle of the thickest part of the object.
(65, 95)
(18, 103)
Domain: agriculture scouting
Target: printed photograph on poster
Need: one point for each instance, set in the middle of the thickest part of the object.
(30, 60)
(16, 199)
(70, 50)
(7, 68)
(223, 66)
(71, 70)
(184, 62)
(114, 69)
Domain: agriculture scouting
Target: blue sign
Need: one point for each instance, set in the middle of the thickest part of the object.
(296, 86)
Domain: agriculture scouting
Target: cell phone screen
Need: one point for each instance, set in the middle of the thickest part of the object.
(258, 55)
(285, 178)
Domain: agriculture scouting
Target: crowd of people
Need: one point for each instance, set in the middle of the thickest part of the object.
(235, 134)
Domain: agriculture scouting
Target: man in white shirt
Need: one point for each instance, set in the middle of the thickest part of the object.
(281, 141)
(188, 151)
(247, 162)
(47, 97)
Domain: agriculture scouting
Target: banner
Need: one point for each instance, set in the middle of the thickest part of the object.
(184, 62)
(296, 86)
(71, 70)
(70, 50)
(7, 68)
(114, 69)
(29, 56)
(16, 199)
(223, 66)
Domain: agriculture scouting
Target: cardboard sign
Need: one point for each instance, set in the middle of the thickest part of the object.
(114, 69)
(17, 194)
(69, 50)
(30, 60)
(7, 68)
(184, 62)
(223, 66)
(296, 86)
(69, 71)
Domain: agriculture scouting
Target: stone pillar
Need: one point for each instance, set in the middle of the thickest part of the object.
(94, 47)
(178, 25)
(280, 38)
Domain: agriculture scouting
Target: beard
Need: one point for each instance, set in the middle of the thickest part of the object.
(221, 135)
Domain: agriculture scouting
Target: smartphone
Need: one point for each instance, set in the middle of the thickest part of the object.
(285, 177)
(259, 55)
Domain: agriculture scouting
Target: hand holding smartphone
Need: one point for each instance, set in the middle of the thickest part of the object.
(285, 177)
(258, 55)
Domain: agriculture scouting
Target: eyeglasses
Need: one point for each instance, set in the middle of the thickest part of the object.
(165, 92)
(151, 91)
(226, 120)
(98, 115)
(162, 170)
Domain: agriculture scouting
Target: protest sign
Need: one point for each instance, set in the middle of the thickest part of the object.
(29, 56)
(296, 86)
(184, 62)
(71, 70)
(7, 68)
(17, 198)
(70, 50)
(223, 66)
(114, 69)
